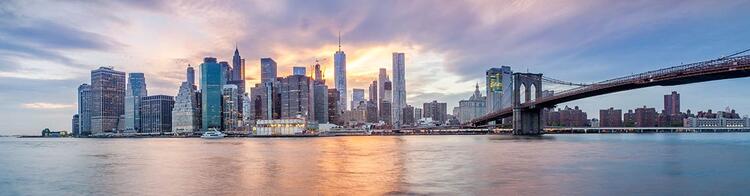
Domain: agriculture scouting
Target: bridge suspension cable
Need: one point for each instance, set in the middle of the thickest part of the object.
(561, 82)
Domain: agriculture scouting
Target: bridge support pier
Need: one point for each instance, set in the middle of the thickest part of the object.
(527, 119)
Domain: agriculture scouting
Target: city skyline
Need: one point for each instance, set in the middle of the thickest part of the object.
(428, 64)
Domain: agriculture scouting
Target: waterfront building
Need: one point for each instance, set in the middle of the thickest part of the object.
(717, 121)
(417, 113)
(567, 117)
(358, 98)
(156, 113)
(190, 76)
(471, 108)
(280, 127)
(339, 67)
(333, 107)
(352, 118)
(136, 89)
(437, 111)
(231, 116)
(267, 70)
(672, 103)
(186, 111)
(399, 89)
(646, 117)
(299, 71)
(108, 99)
(610, 118)
(408, 113)
(320, 102)
(75, 126)
(295, 95)
(382, 78)
(84, 110)
(248, 112)
(371, 112)
(628, 119)
(499, 88)
(385, 103)
(212, 81)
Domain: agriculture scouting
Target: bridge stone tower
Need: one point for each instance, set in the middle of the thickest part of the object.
(527, 120)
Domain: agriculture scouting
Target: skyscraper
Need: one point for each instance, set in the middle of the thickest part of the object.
(157, 113)
(318, 72)
(75, 124)
(373, 92)
(230, 113)
(238, 66)
(267, 70)
(333, 107)
(358, 98)
(212, 80)
(672, 103)
(186, 113)
(320, 96)
(295, 95)
(84, 110)
(108, 99)
(385, 103)
(300, 71)
(499, 88)
(610, 118)
(382, 78)
(399, 88)
(191, 75)
(437, 111)
(227, 71)
(339, 66)
(136, 89)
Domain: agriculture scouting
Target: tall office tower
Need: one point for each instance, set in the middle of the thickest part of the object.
(437, 111)
(191, 75)
(108, 99)
(84, 110)
(238, 66)
(382, 78)
(212, 81)
(75, 126)
(408, 113)
(320, 100)
(186, 113)
(358, 98)
(230, 114)
(339, 68)
(136, 89)
(334, 112)
(399, 89)
(318, 72)
(385, 102)
(248, 112)
(499, 88)
(417, 113)
(157, 113)
(227, 71)
(672, 103)
(267, 70)
(295, 95)
(299, 71)
(371, 112)
(373, 92)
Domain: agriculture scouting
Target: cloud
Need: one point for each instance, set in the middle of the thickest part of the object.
(46, 106)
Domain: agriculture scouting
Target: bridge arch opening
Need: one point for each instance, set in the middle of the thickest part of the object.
(522, 93)
(532, 93)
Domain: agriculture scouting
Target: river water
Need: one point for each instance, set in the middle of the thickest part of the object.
(583, 164)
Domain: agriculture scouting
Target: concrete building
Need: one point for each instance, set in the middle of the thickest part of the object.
(156, 111)
(408, 113)
(334, 113)
(672, 103)
(471, 108)
(499, 88)
(75, 126)
(339, 67)
(212, 82)
(646, 117)
(190, 72)
(358, 98)
(417, 113)
(371, 112)
(136, 89)
(610, 118)
(231, 116)
(186, 119)
(320, 102)
(295, 95)
(382, 78)
(399, 89)
(108, 99)
(438, 112)
(567, 117)
(718, 122)
(280, 127)
(84, 111)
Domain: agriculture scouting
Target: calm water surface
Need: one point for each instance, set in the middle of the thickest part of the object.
(607, 164)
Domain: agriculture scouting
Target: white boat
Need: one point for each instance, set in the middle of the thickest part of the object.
(213, 134)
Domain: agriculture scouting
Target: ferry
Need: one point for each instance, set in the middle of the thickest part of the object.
(213, 134)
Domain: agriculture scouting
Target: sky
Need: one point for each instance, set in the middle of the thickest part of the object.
(48, 48)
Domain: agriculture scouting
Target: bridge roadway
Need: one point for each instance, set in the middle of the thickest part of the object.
(723, 68)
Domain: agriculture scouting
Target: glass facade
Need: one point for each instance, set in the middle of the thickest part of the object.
(212, 80)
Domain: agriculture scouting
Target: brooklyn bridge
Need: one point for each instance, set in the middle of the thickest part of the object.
(528, 102)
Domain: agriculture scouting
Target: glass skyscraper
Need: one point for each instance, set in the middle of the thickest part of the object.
(84, 110)
(399, 89)
(136, 89)
(212, 80)
(157, 113)
(267, 70)
(339, 68)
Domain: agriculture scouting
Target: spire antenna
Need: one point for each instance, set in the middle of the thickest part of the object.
(339, 40)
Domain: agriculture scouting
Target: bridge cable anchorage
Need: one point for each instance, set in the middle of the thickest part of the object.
(562, 82)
